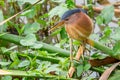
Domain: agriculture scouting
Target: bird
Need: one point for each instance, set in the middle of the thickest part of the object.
(78, 26)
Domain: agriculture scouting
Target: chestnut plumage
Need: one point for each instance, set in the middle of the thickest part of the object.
(77, 24)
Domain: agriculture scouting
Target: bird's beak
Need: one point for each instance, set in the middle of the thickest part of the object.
(59, 24)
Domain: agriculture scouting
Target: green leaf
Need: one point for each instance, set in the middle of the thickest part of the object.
(14, 56)
(29, 40)
(24, 63)
(87, 66)
(76, 42)
(99, 20)
(53, 67)
(116, 50)
(63, 33)
(79, 70)
(55, 32)
(36, 45)
(106, 36)
(5, 63)
(98, 56)
(31, 28)
(29, 13)
(70, 3)
(106, 15)
(7, 78)
(57, 11)
(116, 34)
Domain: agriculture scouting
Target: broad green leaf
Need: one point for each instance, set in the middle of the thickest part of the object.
(29, 40)
(6, 78)
(29, 13)
(24, 63)
(70, 3)
(87, 66)
(57, 11)
(55, 32)
(5, 63)
(106, 15)
(98, 56)
(116, 50)
(31, 28)
(53, 67)
(76, 42)
(79, 70)
(14, 56)
(63, 33)
(99, 20)
(116, 34)
(106, 35)
(36, 46)
(42, 23)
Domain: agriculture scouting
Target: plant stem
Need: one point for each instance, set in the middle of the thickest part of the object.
(31, 74)
(44, 58)
(50, 48)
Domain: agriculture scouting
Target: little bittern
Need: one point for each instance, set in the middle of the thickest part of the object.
(77, 24)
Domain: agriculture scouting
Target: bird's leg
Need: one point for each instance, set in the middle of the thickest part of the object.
(77, 57)
(71, 53)
(71, 69)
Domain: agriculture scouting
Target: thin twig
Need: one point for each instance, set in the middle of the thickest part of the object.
(1, 23)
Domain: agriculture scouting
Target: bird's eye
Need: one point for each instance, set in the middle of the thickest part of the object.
(66, 19)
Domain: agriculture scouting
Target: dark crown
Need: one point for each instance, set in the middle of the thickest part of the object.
(70, 12)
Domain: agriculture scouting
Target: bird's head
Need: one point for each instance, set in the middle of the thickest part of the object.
(66, 16)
